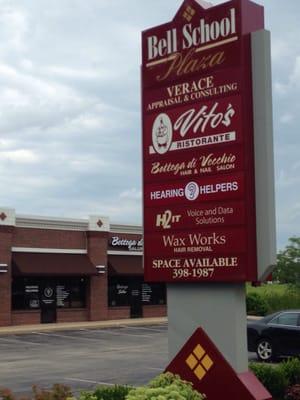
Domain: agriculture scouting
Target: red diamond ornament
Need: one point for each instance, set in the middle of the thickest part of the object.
(3, 216)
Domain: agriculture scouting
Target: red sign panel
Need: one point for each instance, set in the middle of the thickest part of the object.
(192, 45)
(194, 217)
(198, 160)
(217, 187)
(200, 243)
(194, 164)
(191, 90)
(196, 126)
(207, 267)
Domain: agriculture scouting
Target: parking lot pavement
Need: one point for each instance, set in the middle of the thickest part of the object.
(83, 358)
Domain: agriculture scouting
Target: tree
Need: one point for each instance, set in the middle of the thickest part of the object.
(288, 263)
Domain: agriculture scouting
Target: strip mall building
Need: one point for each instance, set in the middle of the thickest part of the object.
(70, 270)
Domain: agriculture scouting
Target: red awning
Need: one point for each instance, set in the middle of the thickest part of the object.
(52, 264)
(125, 265)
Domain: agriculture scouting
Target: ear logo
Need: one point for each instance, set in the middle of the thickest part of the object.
(191, 191)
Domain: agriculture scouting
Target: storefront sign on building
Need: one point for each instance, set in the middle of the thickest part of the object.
(117, 242)
(198, 145)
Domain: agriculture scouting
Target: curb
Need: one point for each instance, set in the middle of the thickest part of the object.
(23, 329)
(65, 326)
(253, 318)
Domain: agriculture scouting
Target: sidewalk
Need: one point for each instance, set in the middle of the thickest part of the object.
(64, 326)
(22, 329)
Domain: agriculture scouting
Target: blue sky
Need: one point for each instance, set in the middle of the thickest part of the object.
(70, 123)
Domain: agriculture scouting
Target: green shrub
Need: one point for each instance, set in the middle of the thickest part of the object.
(282, 300)
(291, 370)
(116, 392)
(272, 377)
(86, 395)
(277, 296)
(165, 387)
(282, 380)
(256, 304)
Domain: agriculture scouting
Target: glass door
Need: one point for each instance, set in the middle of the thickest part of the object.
(136, 307)
(48, 302)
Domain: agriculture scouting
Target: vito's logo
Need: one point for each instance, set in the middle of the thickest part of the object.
(162, 133)
(199, 120)
(195, 121)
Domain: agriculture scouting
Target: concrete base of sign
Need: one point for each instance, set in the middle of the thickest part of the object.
(201, 363)
(220, 308)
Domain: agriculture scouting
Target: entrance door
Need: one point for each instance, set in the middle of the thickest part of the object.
(48, 302)
(136, 308)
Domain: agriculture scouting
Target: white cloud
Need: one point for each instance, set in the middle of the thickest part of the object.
(205, 4)
(13, 27)
(281, 88)
(290, 83)
(20, 156)
(295, 76)
(278, 50)
(28, 101)
(68, 73)
(26, 64)
(286, 118)
(131, 194)
(287, 179)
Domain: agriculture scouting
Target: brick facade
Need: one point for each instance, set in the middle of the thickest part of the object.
(72, 315)
(148, 312)
(46, 235)
(97, 251)
(26, 317)
(118, 312)
(49, 238)
(6, 241)
(154, 311)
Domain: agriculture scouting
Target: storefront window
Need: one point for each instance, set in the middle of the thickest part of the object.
(70, 292)
(120, 291)
(153, 293)
(62, 295)
(32, 296)
(18, 295)
(77, 294)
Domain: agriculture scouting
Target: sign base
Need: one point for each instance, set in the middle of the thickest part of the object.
(220, 308)
(201, 363)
